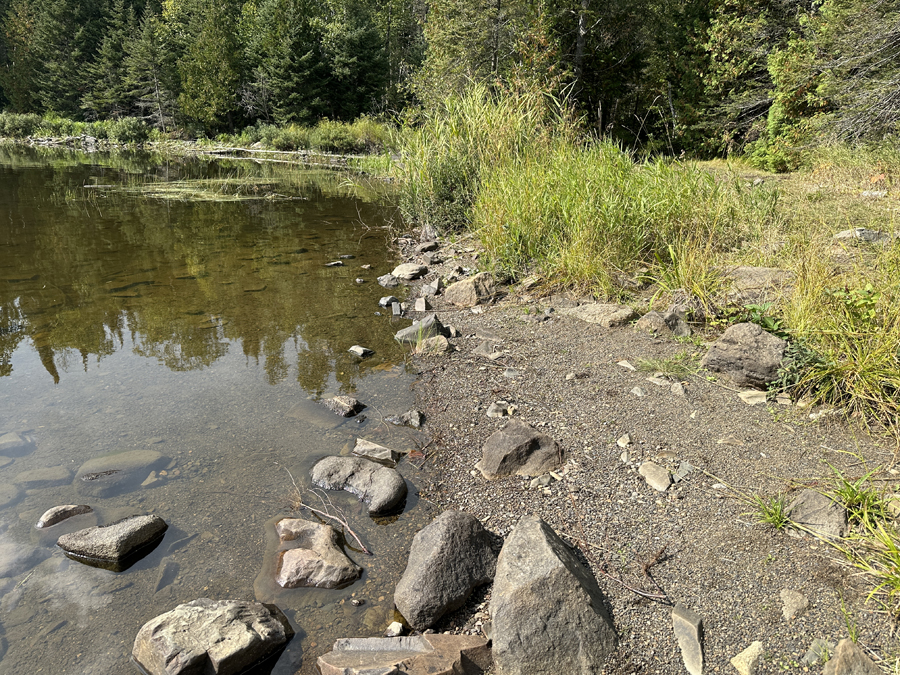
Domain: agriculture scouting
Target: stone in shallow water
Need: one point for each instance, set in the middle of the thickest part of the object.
(60, 513)
(381, 487)
(375, 452)
(119, 472)
(13, 444)
(312, 556)
(228, 637)
(116, 546)
(43, 478)
(345, 406)
(432, 654)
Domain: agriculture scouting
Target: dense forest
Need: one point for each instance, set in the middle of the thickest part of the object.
(705, 77)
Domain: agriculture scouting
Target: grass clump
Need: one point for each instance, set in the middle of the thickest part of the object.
(771, 511)
(682, 364)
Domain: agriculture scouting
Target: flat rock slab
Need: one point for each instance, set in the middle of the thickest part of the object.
(606, 315)
(13, 444)
(115, 546)
(116, 473)
(60, 513)
(519, 449)
(471, 292)
(345, 406)
(381, 487)
(863, 234)
(420, 331)
(311, 557)
(42, 478)
(409, 271)
(815, 512)
(657, 477)
(375, 452)
(448, 559)
(431, 654)
(849, 659)
(548, 613)
(747, 354)
(227, 637)
(688, 627)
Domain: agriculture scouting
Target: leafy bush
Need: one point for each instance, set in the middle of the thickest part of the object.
(13, 125)
(128, 130)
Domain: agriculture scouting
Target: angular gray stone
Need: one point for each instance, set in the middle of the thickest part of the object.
(794, 603)
(207, 637)
(448, 559)
(421, 305)
(375, 452)
(42, 478)
(471, 292)
(428, 327)
(388, 281)
(815, 512)
(411, 418)
(688, 627)
(361, 352)
(606, 315)
(60, 513)
(521, 450)
(13, 444)
(849, 659)
(656, 476)
(548, 614)
(747, 662)
(345, 406)
(747, 354)
(432, 654)
(432, 289)
(409, 271)
(311, 557)
(111, 474)
(114, 546)
(665, 323)
(381, 487)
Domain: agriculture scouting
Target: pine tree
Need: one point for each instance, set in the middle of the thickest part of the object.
(18, 69)
(109, 90)
(151, 73)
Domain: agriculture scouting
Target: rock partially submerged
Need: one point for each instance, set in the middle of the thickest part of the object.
(747, 354)
(521, 450)
(60, 513)
(345, 406)
(118, 472)
(49, 476)
(411, 418)
(433, 654)
(448, 559)
(549, 615)
(375, 452)
(116, 546)
(228, 637)
(311, 556)
(13, 444)
(381, 487)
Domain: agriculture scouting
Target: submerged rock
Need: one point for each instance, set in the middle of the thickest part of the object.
(448, 559)
(433, 654)
(345, 406)
(312, 557)
(381, 487)
(228, 637)
(13, 444)
(60, 513)
(116, 546)
(42, 478)
(118, 472)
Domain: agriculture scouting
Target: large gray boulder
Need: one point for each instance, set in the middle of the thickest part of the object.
(115, 546)
(420, 331)
(470, 292)
(118, 472)
(747, 354)
(519, 449)
(381, 487)
(549, 615)
(206, 637)
(447, 560)
(311, 556)
(430, 654)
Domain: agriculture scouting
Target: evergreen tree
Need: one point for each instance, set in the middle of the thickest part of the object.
(109, 90)
(151, 73)
(19, 67)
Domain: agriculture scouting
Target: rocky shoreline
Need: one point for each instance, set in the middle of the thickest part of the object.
(659, 468)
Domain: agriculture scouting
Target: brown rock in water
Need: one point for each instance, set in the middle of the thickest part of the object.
(312, 557)
(430, 654)
(521, 450)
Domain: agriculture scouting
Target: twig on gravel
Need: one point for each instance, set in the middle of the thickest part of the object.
(326, 511)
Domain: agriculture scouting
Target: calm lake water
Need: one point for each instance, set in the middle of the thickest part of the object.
(185, 307)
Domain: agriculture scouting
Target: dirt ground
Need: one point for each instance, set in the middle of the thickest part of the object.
(699, 542)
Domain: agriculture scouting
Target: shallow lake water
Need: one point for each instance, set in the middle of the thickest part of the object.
(185, 307)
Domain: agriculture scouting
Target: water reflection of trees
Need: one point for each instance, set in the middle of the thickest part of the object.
(82, 270)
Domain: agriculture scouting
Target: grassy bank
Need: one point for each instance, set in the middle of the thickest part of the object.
(584, 213)
(364, 135)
